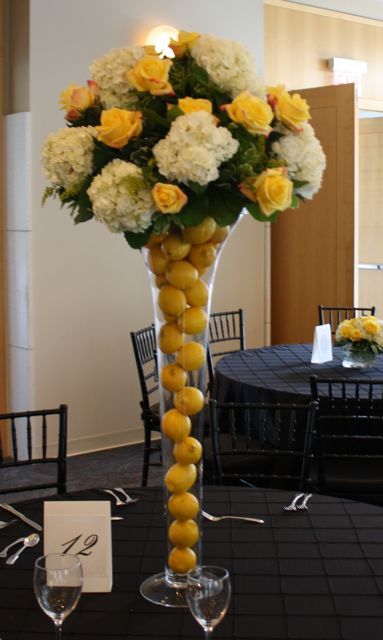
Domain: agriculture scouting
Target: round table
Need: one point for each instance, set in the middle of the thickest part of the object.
(279, 373)
(304, 575)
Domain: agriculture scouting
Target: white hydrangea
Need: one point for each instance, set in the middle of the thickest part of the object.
(304, 157)
(228, 64)
(194, 148)
(109, 72)
(67, 156)
(120, 197)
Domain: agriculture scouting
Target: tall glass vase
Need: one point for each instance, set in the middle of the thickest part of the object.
(182, 268)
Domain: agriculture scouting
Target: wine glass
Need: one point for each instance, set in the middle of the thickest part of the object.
(208, 595)
(57, 582)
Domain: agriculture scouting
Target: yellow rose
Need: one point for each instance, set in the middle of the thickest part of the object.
(168, 198)
(189, 105)
(355, 335)
(118, 126)
(183, 43)
(151, 74)
(271, 189)
(370, 325)
(345, 329)
(252, 112)
(75, 99)
(291, 110)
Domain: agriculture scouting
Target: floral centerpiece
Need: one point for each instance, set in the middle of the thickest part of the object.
(170, 153)
(362, 339)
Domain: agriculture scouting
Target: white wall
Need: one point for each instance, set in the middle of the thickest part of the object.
(89, 288)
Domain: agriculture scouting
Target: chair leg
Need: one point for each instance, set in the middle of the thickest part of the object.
(147, 451)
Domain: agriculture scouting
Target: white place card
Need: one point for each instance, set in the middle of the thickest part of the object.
(322, 344)
(84, 529)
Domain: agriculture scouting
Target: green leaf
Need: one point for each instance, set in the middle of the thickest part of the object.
(294, 202)
(225, 206)
(299, 183)
(195, 210)
(137, 240)
(197, 188)
(156, 119)
(255, 211)
(173, 113)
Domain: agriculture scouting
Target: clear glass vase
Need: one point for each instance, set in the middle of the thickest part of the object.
(182, 268)
(354, 359)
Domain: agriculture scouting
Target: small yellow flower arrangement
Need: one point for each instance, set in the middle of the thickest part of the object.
(363, 336)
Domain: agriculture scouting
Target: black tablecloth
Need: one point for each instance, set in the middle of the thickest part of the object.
(315, 575)
(279, 373)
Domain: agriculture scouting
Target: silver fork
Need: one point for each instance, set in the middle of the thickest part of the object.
(208, 516)
(293, 504)
(119, 502)
(303, 504)
(129, 500)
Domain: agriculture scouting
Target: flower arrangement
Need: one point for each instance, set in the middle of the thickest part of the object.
(152, 144)
(363, 334)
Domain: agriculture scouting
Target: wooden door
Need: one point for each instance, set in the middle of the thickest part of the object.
(370, 213)
(313, 247)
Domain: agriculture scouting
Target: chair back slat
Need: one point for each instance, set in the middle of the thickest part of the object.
(226, 335)
(35, 440)
(266, 443)
(335, 315)
(145, 355)
(348, 448)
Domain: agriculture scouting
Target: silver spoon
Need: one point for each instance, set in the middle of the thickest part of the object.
(30, 541)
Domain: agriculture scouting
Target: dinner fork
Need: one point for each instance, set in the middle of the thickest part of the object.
(293, 504)
(129, 500)
(303, 504)
(119, 502)
(208, 516)
(4, 524)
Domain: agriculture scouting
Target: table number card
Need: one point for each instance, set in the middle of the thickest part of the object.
(84, 529)
(322, 344)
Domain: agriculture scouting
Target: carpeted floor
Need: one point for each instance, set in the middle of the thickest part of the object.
(120, 467)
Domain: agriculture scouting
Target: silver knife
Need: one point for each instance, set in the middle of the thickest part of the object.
(22, 517)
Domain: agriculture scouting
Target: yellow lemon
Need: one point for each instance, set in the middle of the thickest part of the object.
(183, 533)
(201, 233)
(191, 356)
(202, 255)
(160, 279)
(187, 451)
(183, 505)
(189, 400)
(174, 247)
(198, 294)
(182, 560)
(170, 338)
(193, 320)
(180, 477)
(171, 300)
(181, 274)
(173, 377)
(157, 260)
(175, 425)
(154, 239)
(219, 235)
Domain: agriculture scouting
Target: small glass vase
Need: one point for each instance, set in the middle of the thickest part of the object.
(354, 359)
(181, 317)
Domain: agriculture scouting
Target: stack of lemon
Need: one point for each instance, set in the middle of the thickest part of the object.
(179, 261)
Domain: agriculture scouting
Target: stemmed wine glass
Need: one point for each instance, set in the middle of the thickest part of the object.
(57, 582)
(208, 595)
